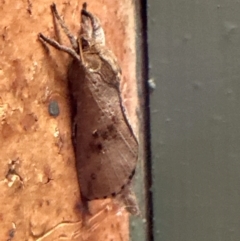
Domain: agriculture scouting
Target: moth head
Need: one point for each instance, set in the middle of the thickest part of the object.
(91, 30)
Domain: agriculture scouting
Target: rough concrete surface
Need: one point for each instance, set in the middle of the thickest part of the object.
(40, 196)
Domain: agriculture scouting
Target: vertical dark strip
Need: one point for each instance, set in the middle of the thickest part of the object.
(146, 116)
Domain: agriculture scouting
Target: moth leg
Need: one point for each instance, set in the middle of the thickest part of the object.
(71, 38)
(58, 46)
(128, 198)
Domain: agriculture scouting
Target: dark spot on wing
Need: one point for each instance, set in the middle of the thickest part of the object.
(104, 135)
(93, 176)
(111, 128)
(114, 119)
(95, 134)
(99, 146)
(96, 146)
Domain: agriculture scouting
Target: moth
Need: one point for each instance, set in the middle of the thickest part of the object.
(106, 147)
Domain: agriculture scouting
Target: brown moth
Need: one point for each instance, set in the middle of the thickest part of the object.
(105, 146)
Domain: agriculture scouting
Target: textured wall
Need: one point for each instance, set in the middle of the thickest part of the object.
(40, 194)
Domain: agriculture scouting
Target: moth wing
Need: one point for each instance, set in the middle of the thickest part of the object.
(107, 150)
